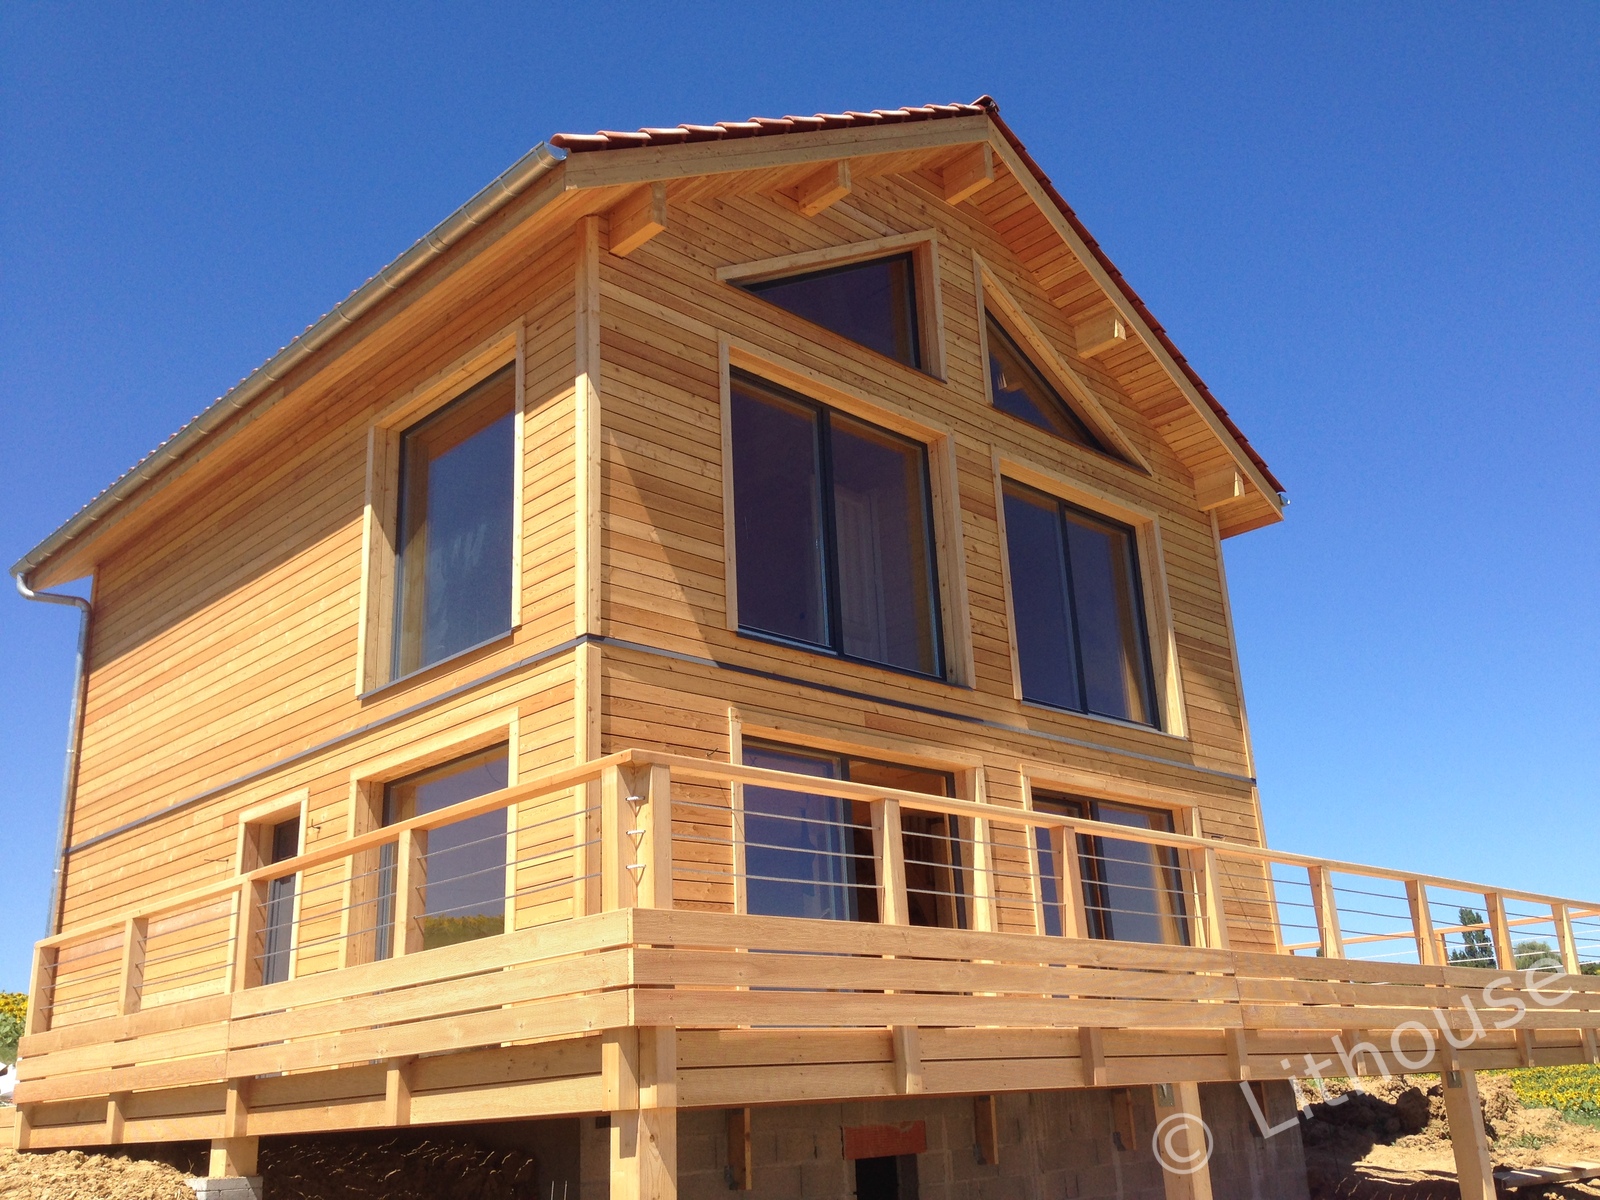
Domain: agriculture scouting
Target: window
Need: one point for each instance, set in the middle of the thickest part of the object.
(1018, 388)
(892, 1177)
(873, 303)
(453, 572)
(809, 855)
(1078, 609)
(833, 531)
(465, 893)
(1132, 892)
(282, 842)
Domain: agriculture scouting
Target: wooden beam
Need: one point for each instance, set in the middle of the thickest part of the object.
(41, 989)
(741, 1168)
(1238, 1053)
(1216, 488)
(1468, 1141)
(1499, 932)
(907, 1059)
(1092, 1049)
(968, 173)
(1123, 1133)
(1326, 906)
(1209, 870)
(1099, 333)
(1181, 1142)
(116, 1119)
(986, 1123)
(892, 855)
(821, 189)
(130, 981)
(1422, 923)
(644, 1139)
(410, 892)
(233, 1157)
(637, 219)
(397, 1092)
(236, 1110)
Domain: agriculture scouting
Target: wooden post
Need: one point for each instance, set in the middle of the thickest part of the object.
(644, 1138)
(986, 1124)
(1326, 905)
(1499, 932)
(1074, 920)
(1567, 946)
(236, 1110)
(1238, 1049)
(653, 815)
(1468, 1140)
(410, 891)
(907, 1059)
(250, 943)
(1183, 1146)
(116, 1119)
(741, 1167)
(891, 847)
(1208, 873)
(1092, 1053)
(617, 883)
(233, 1157)
(397, 1092)
(983, 908)
(42, 989)
(1422, 923)
(130, 981)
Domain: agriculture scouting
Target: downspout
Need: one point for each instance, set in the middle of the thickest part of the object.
(69, 781)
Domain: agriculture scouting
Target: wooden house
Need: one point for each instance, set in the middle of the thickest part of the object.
(718, 661)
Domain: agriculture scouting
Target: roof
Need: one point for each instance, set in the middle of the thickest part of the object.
(520, 176)
(611, 140)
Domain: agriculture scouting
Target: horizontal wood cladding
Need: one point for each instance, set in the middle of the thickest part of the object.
(228, 627)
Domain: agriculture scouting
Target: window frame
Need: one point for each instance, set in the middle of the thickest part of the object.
(952, 604)
(1150, 562)
(922, 245)
(376, 661)
(253, 850)
(995, 299)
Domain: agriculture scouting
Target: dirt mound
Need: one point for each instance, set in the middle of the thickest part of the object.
(73, 1175)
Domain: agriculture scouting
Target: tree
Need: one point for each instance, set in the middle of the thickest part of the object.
(1477, 948)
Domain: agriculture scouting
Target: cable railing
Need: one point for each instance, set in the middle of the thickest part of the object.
(647, 830)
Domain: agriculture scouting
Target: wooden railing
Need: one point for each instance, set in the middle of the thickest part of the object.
(595, 838)
(628, 897)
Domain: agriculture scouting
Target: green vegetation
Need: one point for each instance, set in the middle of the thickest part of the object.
(13, 1018)
(447, 931)
(1477, 948)
(1574, 1090)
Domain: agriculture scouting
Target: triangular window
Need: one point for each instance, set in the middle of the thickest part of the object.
(1021, 390)
(873, 303)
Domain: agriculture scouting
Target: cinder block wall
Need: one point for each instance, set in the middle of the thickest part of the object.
(1052, 1145)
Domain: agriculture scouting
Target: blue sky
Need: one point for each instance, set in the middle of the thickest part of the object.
(1371, 228)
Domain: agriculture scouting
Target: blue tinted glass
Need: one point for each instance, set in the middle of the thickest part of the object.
(805, 855)
(1043, 620)
(1110, 631)
(777, 506)
(455, 526)
(873, 303)
(887, 607)
(1019, 389)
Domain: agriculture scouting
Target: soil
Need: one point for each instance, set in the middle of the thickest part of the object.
(1392, 1142)
(73, 1175)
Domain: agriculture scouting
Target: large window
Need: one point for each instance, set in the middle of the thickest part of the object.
(1132, 892)
(873, 303)
(810, 855)
(1019, 388)
(1078, 608)
(464, 896)
(453, 575)
(833, 531)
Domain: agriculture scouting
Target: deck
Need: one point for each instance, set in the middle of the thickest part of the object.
(631, 977)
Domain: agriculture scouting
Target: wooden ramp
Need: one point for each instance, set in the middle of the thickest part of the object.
(1546, 1176)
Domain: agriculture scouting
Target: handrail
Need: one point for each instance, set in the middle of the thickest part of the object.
(633, 861)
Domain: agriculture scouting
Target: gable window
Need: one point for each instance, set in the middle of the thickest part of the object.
(833, 531)
(1019, 388)
(1132, 891)
(873, 303)
(453, 572)
(811, 855)
(464, 893)
(1078, 609)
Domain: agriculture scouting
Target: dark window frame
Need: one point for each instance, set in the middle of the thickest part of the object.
(921, 356)
(1140, 610)
(834, 648)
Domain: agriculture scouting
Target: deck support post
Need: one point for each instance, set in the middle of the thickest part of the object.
(1183, 1144)
(1468, 1140)
(233, 1171)
(644, 1138)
